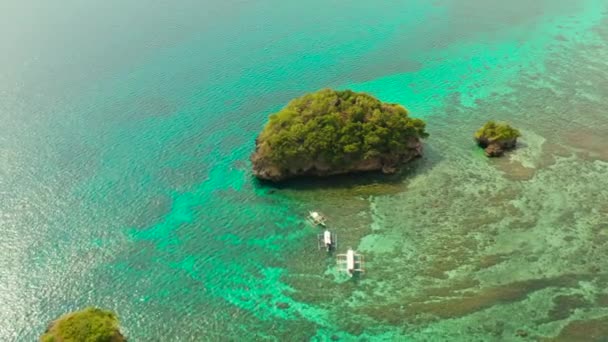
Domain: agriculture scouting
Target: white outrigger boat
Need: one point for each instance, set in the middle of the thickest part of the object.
(316, 218)
(351, 262)
(327, 240)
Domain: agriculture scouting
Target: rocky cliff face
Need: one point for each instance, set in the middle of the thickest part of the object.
(264, 169)
(496, 148)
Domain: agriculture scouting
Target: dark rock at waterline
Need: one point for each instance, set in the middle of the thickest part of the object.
(387, 164)
(496, 150)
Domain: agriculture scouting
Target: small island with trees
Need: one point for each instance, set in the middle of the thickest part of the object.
(331, 132)
(496, 138)
(87, 325)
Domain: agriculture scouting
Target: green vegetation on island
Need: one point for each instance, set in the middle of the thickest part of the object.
(87, 325)
(329, 131)
(493, 131)
(496, 138)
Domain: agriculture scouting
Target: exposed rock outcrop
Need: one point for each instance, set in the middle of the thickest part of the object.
(387, 164)
(496, 148)
(265, 169)
(496, 138)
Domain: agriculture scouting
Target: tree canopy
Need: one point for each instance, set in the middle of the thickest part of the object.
(337, 127)
(88, 325)
(493, 131)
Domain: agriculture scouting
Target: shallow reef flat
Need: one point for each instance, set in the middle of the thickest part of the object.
(127, 160)
(466, 248)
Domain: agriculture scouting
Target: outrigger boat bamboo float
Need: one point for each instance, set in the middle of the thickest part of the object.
(316, 218)
(351, 262)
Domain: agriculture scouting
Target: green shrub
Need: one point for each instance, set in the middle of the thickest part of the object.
(337, 127)
(88, 325)
(493, 131)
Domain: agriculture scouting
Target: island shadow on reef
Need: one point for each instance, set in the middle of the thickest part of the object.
(407, 171)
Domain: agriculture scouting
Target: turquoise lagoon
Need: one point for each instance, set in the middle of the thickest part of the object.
(125, 182)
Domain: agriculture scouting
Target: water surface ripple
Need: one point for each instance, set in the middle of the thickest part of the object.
(125, 182)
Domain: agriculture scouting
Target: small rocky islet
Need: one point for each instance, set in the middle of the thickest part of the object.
(88, 325)
(331, 132)
(496, 138)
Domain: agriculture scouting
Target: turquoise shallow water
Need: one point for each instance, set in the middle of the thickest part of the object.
(124, 179)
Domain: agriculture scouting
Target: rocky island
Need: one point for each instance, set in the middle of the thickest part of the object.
(496, 138)
(331, 132)
(87, 325)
